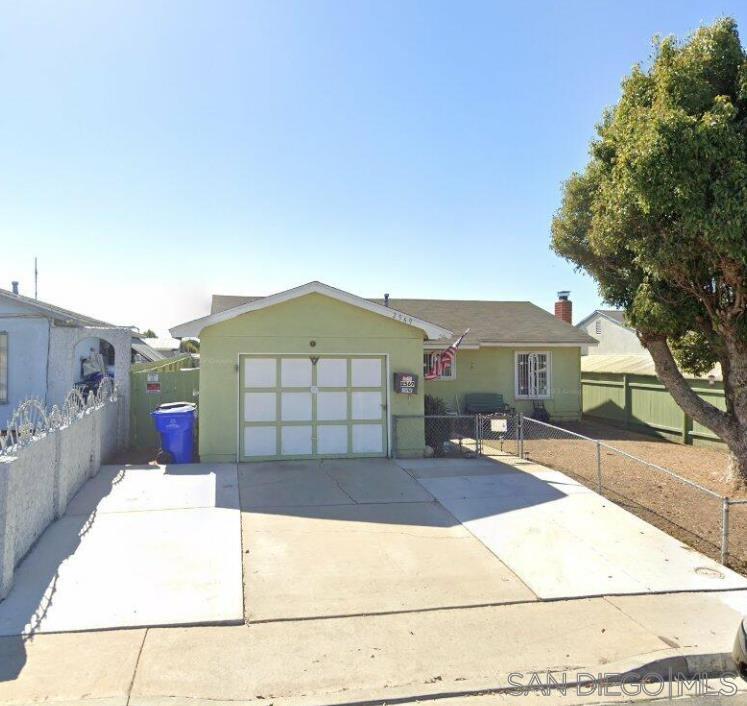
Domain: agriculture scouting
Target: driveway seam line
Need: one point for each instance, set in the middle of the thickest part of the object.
(640, 624)
(137, 664)
(457, 520)
(336, 482)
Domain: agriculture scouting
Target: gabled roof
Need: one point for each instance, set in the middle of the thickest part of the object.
(495, 322)
(249, 304)
(150, 354)
(490, 322)
(56, 312)
(221, 302)
(162, 343)
(614, 315)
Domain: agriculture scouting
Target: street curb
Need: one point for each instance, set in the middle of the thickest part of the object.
(672, 666)
(683, 666)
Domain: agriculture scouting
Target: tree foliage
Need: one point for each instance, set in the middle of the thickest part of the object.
(189, 345)
(659, 216)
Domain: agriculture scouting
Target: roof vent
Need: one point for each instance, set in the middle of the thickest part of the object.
(14, 286)
(386, 299)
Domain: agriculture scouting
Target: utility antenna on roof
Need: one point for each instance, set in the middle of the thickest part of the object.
(36, 280)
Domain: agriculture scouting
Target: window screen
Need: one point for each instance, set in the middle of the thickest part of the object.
(532, 375)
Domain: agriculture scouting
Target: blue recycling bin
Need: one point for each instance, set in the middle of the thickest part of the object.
(175, 422)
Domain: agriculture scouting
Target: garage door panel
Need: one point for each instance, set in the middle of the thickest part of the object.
(260, 441)
(260, 372)
(332, 372)
(295, 440)
(292, 407)
(365, 372)
(295, 406)
(332, 439)
(260, 407)
(367, 438)
(366, 405)
(295, 372)
(332, 406)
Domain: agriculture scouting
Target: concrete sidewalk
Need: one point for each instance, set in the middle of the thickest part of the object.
(374, 659)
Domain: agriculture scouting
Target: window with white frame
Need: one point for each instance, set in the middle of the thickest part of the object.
(3, 367)
(598, 327)
(533, 375)
(430, 357)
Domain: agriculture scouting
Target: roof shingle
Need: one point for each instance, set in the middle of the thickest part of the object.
(489, 321)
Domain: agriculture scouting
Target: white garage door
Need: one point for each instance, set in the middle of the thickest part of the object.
(307, 406)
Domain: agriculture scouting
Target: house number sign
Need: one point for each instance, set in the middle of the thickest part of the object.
(405, 383)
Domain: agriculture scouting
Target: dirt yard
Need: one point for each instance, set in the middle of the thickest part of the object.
(686, 513)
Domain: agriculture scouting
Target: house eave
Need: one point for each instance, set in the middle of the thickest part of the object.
(515, 344)
(192, 329)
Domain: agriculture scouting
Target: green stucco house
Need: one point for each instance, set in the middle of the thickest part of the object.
(310, 372)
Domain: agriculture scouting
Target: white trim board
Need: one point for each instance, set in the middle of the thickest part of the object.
(601, 314)
(192, 329)
(436, 346)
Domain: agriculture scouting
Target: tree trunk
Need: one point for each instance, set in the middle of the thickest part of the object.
(730, 428)
(736, 470)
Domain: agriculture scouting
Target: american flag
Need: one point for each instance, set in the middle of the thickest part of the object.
(444, 359)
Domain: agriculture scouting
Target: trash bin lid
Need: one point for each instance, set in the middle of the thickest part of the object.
(176, 408)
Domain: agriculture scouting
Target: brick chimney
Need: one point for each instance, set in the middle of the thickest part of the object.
(564, 307)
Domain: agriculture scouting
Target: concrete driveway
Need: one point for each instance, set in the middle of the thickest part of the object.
(137, 546)
(342, 538)
(562, 539)
(346, 538)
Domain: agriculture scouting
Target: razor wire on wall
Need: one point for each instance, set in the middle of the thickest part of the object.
(32, 418)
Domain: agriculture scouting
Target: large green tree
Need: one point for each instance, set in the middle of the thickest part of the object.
(659, 218)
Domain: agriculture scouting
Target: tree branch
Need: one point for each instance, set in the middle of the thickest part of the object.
(720, 423)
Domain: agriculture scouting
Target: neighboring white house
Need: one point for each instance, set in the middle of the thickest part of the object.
(615, 338)
(44, 351)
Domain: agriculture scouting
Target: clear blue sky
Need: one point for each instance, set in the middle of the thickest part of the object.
(155, 152)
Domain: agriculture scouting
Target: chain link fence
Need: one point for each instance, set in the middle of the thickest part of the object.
(679, 506)
(708, 521)
(445, 435)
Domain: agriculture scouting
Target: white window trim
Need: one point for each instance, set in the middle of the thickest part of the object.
(445, 378)
(516, 376)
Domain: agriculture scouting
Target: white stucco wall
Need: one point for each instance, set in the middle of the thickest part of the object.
(614, 339)
(38, 482)
(28, 342)
(64, 344)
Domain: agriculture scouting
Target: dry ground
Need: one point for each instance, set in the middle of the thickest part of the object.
(686, 513)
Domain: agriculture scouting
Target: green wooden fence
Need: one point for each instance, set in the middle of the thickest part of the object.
(173, 380)
(642, 403)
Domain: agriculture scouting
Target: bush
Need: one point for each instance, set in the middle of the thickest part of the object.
(437, 431)
(434, 405)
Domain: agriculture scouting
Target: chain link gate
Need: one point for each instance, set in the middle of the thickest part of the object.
(498, 433)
